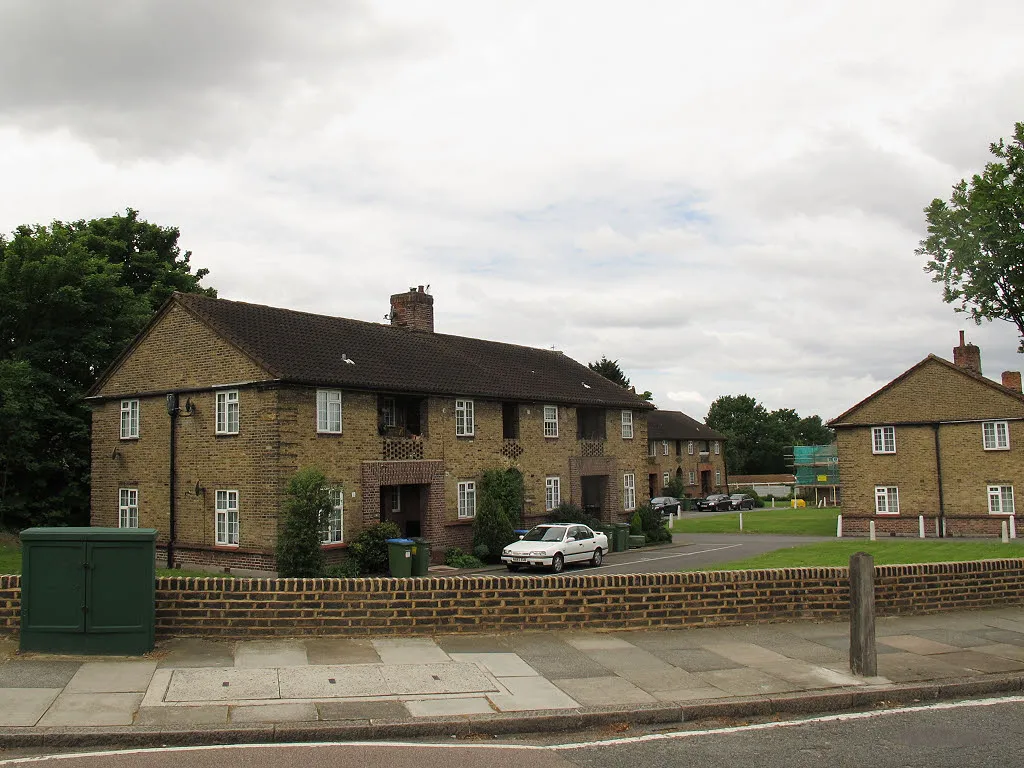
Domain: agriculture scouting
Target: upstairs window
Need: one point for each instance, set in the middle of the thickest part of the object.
(227, 412)
(718, 447)
(627, 425)
(1000, 500)
(464, 424)
(550, 421)
(887, 500)
(693, 478)
(883, 439)
(332, 529)
(652, 448)
(718, 477)
(328, 411)
(129, 419)
(388, 412)
(664, 480)
(995, 435)
(664, 447)
(689, 447)
(128, 508)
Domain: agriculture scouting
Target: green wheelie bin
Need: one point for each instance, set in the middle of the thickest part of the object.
(420, 557)
(400, 557)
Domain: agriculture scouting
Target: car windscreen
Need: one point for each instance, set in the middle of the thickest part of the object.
(552, 533)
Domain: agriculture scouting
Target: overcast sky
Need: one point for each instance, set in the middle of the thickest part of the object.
(725, 197)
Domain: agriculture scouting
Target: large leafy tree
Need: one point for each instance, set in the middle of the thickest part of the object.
(975, 243)
(610, 370)
(72, 296)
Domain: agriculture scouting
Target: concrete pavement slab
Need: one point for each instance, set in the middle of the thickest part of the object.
(498, 664)
(982, 662)
(332, 682)
(23, 673)
(195, 652)
(92, 709)
(1006, 651)
(204, 714)
(555, 659)
(1006, 636)
(902, 667)
(915, 644)
(414, 679)
(225, 684)
(112, 677)
(474, 643)
(24, 706)
(437, 707)
(409, 650)
(810, 676)
(660, 678)
(843, 644)
(747, 654)
(361, 710)
(746, 682)
(690, 694)
(957, 638)
(333, 651)
(666, 639)
(795, 647)
(603, 691)
(1009, 621)
(595, 641)
(531, 693)
(287, 712)
(268, 654)
(695, 660)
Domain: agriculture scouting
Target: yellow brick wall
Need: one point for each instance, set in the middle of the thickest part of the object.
(659, 464)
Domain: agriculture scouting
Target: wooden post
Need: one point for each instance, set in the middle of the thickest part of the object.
(863, 655)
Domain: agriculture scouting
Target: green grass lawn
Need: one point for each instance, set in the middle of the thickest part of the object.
(781, 520)
(10, 563)
(837, 553)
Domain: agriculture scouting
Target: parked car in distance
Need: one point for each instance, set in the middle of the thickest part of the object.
(713, 501)
(667, 505)
(741, 501)
(552, 545)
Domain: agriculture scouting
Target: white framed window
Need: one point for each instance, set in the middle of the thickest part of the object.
(665, 480)
(227, 518)
(995, 435)
(128, 508)
(227, 412)
(467, 499)
(887, 500)
(390, 414)
(1000, 500)
(689, 447)
(550, 421)
(129, 419)
(629, 491)
(627, 425)
(664, 447)
(332, 520)
(718, 448)
(464, 424)
(883, 439)
(718, 477)
(552, 493)
(693, 477)
(328, 411)
(652, 448)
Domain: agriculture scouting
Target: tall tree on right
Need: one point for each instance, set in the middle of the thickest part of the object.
(975, 243)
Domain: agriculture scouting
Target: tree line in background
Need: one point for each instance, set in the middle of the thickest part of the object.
(72, 296)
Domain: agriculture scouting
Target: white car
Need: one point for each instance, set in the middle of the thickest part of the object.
(552, 545)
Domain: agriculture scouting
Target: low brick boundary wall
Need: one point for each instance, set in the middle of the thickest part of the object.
(242, 608)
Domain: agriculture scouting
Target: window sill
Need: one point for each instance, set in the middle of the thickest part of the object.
(320, 433)
(136, 437)
(226, 434)
(225, 547)
(986, 449)
(887, 514)
(883, 453)
(465, 437)
(460, 521)
(334, 545)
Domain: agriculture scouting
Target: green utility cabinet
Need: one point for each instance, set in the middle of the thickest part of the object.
(88, 590)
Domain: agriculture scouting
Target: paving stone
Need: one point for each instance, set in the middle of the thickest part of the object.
(112, 677)
(332, 651)
(92, 709)
(348, 681)
(915, 644)
(601, 691)
(474, 643)
(19, 673)
(746, 682)
(413, 679)
(436, 707)
(953, 637)
(24, 706)
(810, 676)
(270, 654)
(690, 694)
(667, 639)
(909, 667)
(1005, 636)
(287, 712)
(982, 662)
(660, 678)
(361, 710)
(747, 654)
(694, 660)
(498, 664)
(209, 684)
(795, 647)
(1014, 652)
(586, 641)
(207, 714)
(195, 652)
(409, 651)
(843, 644)
(527, 693)
(554, 659)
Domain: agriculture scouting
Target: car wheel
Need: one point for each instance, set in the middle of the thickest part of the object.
(512, 567)
(557, 563)
(597, 558)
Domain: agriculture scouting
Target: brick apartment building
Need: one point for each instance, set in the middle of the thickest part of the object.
(679, 446)
(216, 404)
(941, 441)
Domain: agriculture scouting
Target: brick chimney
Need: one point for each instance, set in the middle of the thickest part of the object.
(967, 356)
(1011, 380)
(413, 310)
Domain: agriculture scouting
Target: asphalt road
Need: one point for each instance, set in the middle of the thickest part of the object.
(979, 734)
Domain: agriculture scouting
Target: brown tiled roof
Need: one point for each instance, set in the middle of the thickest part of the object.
(737, 480)
(676, 425)
(304, 348)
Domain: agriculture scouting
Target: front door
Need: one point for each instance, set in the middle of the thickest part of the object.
(705, 482)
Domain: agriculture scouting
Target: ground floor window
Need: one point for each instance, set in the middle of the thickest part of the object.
(331, 522)
(1000, 500)
(227, 518)
(629, 490)
(552, 493)
(693, 478)
(718, 478)
(887, 500)
(467, 499)
(128, 508)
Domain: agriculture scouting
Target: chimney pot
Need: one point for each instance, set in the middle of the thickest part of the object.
(1011, 380)
(961, 338)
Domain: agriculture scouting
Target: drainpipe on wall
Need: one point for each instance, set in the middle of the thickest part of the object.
(172, 411)
(938, 473)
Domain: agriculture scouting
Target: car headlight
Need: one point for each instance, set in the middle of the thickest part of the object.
(539, 553)
(507, 552)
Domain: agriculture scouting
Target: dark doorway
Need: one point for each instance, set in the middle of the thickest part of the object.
(405, 506)
(594, 491)
(705, 482)
(652, 481)
(510, 421)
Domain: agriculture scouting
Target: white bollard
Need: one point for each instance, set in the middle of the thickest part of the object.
(1013, 526)
(1006, 532)
(871, 530)
(920, 525)
(741, 521)
(839, 526)
(936, 527)
(945, 533)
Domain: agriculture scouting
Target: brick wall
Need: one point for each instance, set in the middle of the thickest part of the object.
(679, 460)
(291, 607)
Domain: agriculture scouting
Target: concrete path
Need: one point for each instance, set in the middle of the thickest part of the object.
(202, 686)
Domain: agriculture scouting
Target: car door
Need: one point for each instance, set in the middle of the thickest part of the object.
(589, 542)
(575, 545)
